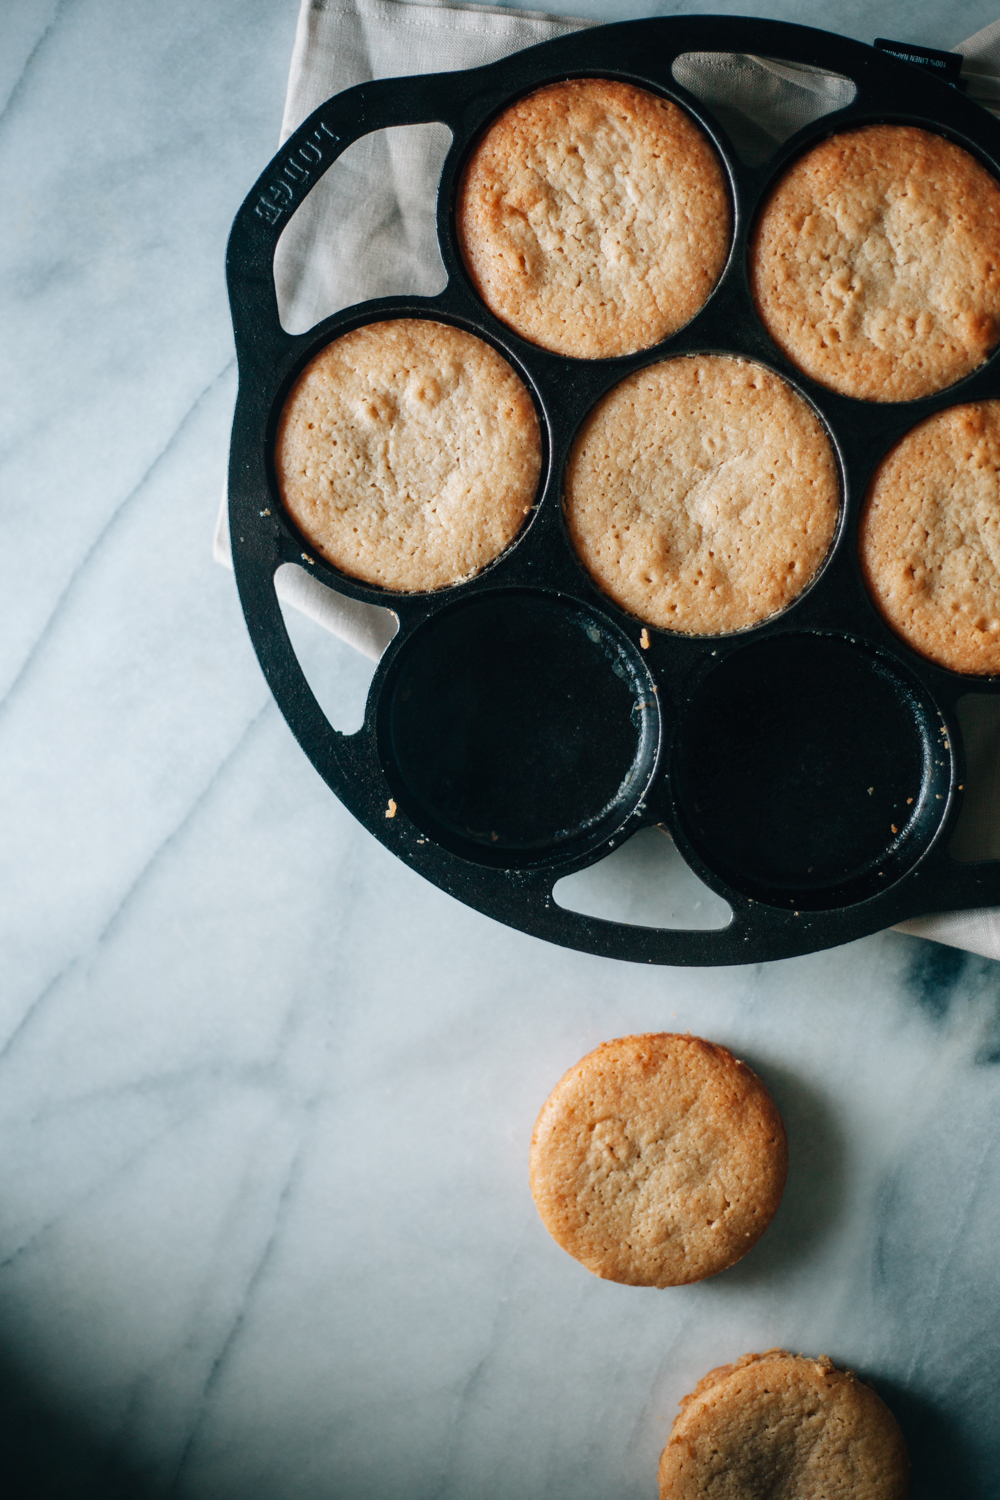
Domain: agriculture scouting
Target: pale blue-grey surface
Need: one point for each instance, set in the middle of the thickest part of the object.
(265, 1096)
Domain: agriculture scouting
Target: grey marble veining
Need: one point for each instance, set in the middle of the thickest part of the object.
(265, 1096)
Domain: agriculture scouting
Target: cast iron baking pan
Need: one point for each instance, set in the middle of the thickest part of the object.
(518, 727)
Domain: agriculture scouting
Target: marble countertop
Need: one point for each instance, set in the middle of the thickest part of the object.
(266, 1096)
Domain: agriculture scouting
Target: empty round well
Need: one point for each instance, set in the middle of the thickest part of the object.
(517, 727)
(809, 772)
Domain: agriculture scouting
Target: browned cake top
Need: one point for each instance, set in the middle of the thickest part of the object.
(702, 494)
(594, 217)
(875, 263)
(408, 454)
(658, 1160)
(781, 1426)
(930, 538)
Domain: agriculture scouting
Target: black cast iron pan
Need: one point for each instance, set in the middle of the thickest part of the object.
(518, 727)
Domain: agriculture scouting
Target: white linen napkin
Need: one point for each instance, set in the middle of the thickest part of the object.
(368, 230)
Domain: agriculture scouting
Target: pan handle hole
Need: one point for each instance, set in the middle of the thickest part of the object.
(761, 101)
(337, 642)
(645, 883)
(367, 229)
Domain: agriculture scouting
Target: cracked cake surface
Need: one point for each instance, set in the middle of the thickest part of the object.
(875, 263)
(780, 1426)
(658, 1160)
(408, 454)
(929, 538)
(594, 217)
(702, 494)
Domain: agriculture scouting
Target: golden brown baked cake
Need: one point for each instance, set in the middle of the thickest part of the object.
(408, 454)
(702, 494)
(594, 217)
(875, 263)
(781, 1426)
(658, 1160)
(929, 538)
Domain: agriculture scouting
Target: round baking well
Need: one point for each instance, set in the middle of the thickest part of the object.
(594, 217)
(929, 538)
(873, 262)
(809, 772)
(702, 494)
(408, 453)
(519, 726)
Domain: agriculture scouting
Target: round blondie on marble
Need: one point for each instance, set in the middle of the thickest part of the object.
(594, 217)
(875, 264)
(408, 454)
(786, 1427)
(702, 494)
(929, 538)
(658, 1160)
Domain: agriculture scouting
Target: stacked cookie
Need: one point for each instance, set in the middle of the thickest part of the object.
(784, 1425)
(658, 1161)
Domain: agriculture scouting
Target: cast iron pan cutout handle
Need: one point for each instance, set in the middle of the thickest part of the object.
(285, 184)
